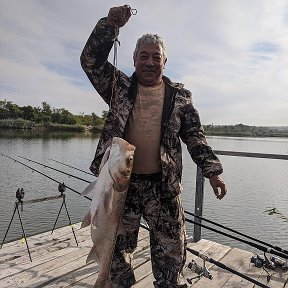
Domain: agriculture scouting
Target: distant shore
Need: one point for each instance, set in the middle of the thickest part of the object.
(239, 130)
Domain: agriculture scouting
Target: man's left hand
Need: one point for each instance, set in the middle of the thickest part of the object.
(219, 186)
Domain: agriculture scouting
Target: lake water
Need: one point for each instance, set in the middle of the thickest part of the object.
(253, 185)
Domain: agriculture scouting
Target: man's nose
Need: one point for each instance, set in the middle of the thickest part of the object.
(149, 61)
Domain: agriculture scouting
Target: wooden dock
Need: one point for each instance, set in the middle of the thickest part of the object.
(58, 262)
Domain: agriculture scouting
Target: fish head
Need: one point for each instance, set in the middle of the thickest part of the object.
(120, 162)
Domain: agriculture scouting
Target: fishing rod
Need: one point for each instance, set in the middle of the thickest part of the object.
(33, 169)
(188, 220)
(189, 213)
(46, 166)
(239, 233)
(216, 263)
(72, 167)
(260, 247)
(225, 267)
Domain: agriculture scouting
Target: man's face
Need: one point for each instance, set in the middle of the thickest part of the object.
(149, 64)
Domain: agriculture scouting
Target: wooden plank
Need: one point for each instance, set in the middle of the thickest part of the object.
(145, 277)
(60, 263)
(217, 252)
(278, 278)
(145, 281)
(234, 259)
(43, 272)
(79, 274)
(248, 269)
(41, 246)
(53, 256)
(37, 240)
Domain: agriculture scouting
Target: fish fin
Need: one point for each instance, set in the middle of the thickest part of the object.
(86, 221)
(95, 220)
(93, 255)
(89, 189)
(108, 201)
(105, 158)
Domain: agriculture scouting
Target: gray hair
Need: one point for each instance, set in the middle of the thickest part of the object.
(150, 38)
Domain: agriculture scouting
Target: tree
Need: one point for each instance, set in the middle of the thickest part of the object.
(104, 115)
(28, 113)
(96, 120)
(9, 110)
(46, 109)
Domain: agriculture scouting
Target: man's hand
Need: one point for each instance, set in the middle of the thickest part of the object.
(119, 16)
(219, 186)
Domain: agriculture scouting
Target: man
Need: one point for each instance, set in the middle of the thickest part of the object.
(153, 113)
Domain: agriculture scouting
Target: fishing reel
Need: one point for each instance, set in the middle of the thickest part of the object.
(279, 262)
(273, 263)
(258, 261)
(201, 271)
(263, 262)
(61, 188)
(20, 194)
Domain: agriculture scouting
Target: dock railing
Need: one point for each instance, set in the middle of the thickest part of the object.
(199, 193)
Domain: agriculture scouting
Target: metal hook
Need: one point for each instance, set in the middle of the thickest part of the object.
(132, 10)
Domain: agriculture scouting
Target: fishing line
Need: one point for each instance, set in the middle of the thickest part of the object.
(239, 233)
(72, 167)
(33, 169)
(115, 56)
(46, 166)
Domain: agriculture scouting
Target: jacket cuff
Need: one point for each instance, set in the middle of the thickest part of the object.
(107, 31)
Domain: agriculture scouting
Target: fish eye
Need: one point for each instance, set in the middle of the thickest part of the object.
(129, 159)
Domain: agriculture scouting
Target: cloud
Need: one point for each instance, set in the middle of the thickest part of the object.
(232, 55)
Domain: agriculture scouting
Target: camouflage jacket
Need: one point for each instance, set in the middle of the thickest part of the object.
(180, 120)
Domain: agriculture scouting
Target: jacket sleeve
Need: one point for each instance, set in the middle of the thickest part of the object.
(94, 58)
(192, 134)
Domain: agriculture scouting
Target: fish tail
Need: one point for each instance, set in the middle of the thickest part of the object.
(103, 284)
(86, 221)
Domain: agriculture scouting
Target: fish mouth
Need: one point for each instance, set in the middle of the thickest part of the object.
(126, 172)
(121, 189)
(121, 184)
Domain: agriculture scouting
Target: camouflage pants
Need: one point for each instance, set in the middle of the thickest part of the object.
(165, 219)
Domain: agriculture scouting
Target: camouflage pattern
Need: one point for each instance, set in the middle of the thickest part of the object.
(180, 120)
(165, 219)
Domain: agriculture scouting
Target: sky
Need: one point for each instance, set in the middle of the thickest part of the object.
(231, 54)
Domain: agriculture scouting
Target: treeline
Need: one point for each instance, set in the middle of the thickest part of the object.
(15, 116)
(241, 130)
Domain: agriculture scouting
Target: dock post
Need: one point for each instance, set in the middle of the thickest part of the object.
(199, 199)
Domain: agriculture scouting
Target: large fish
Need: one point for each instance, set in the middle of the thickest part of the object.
(108, 197)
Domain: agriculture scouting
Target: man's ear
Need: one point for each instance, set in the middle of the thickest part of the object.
(165, 61)
(134, 61)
